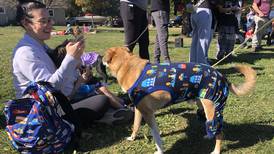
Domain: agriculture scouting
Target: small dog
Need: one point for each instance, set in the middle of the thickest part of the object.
(153, 86)
(91, 59)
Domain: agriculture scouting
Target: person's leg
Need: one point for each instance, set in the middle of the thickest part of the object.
(127, 14)
(204, 31)
(226, 41)
(231, 39)
(220, 51)
(157, 52)
(161, 21)
(257, 36)
(142, 31)
(91, 108)
(194, 43)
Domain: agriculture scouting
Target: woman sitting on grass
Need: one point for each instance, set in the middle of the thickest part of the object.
(30, 62)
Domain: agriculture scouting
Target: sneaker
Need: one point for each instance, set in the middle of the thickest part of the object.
(257, 48)
(248, 46)
(122, 116)
(167, 60)
(220, 56)
(117, 117)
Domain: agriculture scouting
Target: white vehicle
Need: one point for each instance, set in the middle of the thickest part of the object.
(94, 20)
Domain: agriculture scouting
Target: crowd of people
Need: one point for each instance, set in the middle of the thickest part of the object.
(205, 17)
(31, 62)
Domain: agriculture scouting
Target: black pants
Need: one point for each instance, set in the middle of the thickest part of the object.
(95, 110)
(135, 22)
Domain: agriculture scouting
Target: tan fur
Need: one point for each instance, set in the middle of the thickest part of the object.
(127, 67)
(249, 83)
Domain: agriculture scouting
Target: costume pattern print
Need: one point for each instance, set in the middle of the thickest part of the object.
(184, 81)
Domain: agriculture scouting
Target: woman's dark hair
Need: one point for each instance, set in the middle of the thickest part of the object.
(25, 7)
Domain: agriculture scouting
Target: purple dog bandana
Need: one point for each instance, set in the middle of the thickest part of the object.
(89, 58)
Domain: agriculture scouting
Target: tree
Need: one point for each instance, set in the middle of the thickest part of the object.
(81, 3)
(74, 9)
(47, 2)
(107, 8)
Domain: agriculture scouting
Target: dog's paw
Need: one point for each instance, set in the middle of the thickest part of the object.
(130, 138)
(215, 152)
(158, 152)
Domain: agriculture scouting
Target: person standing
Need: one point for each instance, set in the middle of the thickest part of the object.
(227, 27)
(239, 37)
(134, 16)
(239, 13)
(262, 9)
(160, 13)
(201, 20)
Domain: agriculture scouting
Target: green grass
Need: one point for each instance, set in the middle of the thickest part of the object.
(248, 126)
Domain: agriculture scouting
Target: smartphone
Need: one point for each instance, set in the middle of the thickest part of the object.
(79, 38)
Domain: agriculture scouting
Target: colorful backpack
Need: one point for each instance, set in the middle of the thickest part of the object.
(33, 123)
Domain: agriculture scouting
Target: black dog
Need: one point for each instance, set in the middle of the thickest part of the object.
(58, 54)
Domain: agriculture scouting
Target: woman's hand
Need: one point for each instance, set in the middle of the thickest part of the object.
(75, 49)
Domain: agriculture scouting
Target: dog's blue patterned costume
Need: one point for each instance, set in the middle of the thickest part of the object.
(184, 81)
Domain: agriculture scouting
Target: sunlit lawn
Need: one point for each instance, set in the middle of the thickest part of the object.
(248, 126)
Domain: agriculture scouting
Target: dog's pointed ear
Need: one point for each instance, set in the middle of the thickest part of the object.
(125, 48)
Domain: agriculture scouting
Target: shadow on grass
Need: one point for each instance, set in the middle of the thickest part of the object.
(247, 57)
(231, 71)
(103, 136)
(2, 121)
(246, 135)
(242, 136)
(251, 58)
(177, 34)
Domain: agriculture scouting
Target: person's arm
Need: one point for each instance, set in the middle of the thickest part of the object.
(257, 10)
(35, 68)
(76, 87)
(85, 77)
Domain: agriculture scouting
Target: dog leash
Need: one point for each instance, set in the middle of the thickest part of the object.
(137, 38)
(237, 48)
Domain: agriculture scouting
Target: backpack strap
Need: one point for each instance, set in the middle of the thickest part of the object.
(40, 91)
(65, 105)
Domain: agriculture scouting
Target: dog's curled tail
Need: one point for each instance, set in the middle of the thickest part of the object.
(249, 83)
